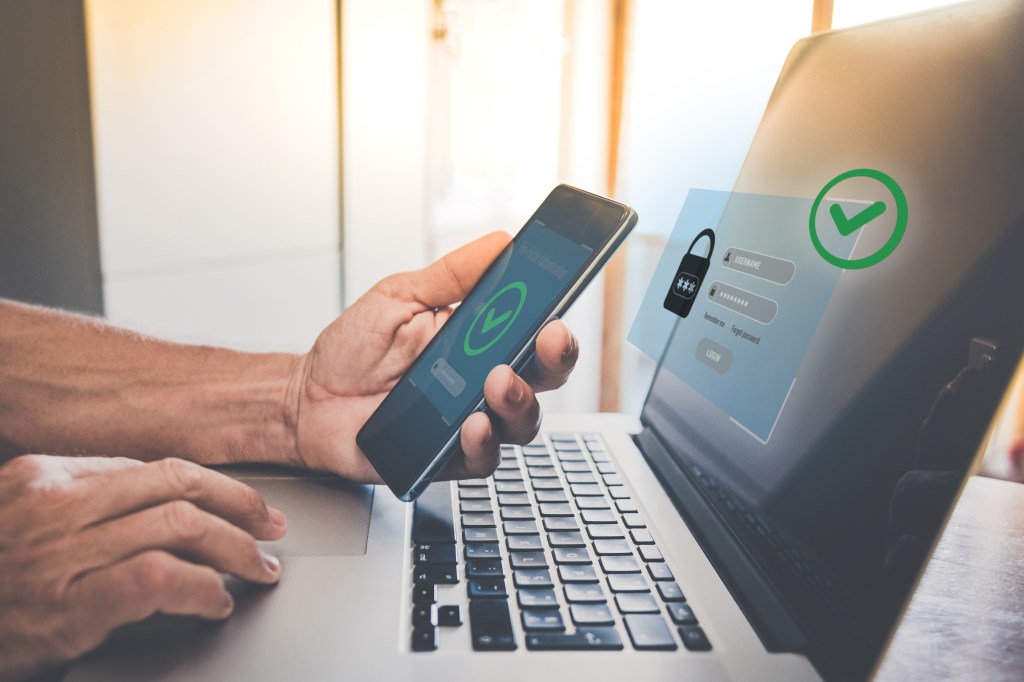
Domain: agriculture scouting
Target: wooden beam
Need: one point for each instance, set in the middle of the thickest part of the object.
(613, 328)
(821, 16)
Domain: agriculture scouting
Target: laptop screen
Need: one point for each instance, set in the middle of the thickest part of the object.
(839, 507)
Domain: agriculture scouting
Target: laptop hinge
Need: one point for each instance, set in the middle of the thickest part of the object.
(766, 612)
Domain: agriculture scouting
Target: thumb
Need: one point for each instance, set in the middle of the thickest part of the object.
(449, 279)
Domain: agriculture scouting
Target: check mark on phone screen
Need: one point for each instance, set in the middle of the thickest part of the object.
(490, 322)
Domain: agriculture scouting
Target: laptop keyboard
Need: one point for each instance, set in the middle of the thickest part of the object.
(554, 555)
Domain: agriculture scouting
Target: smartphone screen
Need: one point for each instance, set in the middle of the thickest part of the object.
(535, 278)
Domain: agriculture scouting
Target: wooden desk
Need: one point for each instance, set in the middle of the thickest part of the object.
(966, 620)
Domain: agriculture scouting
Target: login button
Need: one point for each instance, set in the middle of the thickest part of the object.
(714, 355)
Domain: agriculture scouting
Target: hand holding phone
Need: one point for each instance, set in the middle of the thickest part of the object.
(415, 430)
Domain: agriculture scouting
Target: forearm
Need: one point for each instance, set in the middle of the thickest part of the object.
(75, 385)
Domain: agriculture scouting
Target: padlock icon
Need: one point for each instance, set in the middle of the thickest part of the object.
(682, 292)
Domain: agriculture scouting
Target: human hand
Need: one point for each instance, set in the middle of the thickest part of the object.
(357, 360)
(91, 543)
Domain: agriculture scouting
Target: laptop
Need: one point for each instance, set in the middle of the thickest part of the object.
(677, 545)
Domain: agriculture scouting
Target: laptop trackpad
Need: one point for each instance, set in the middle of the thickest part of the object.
(327, 516)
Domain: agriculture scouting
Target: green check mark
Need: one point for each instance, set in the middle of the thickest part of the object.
(848, 226)
(490, 322)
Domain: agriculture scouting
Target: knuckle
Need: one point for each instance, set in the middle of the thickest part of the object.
(26, 467)
(184, 520)
(152, 574)
(187, 477)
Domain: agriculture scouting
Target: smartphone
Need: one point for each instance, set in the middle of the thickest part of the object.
(534, 280)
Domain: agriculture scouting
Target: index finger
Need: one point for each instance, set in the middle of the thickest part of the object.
(448, 279)
(130, 490)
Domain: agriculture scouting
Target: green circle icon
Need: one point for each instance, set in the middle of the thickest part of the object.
(847, 226)
(491, 322)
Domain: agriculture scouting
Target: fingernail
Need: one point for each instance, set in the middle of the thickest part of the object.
(271, 562)
(515, 390)
(229, 603)
(571, 348)
(277, 517)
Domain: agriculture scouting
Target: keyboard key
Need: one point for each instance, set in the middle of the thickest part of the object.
(605, 532)
(449, 616)
(535, 449)
(580, 477)
(491, 625)
(681, 614)
(478, 520)
(513, 499)
(560, 439)
(627, 582)
(510, 487)
(650, 553)
(576, 466)
(551, 496)
(591, 503)
(599, 455)
(619, 564)
(432, 519)
(618, 492)
(537, 599)
(637, 602)
(474, 506)
(483, 550)
(566, 539)
(612, 547)
(670, 591)
(524, 543)
(567, 555)
(508, 463)
(598, 516)
(625, 506)
(542, 620)
(424, 615)
(660, 571)
(424, 593)
(649, 632)
(542, 471)
(693, 638)
(424, 639)
(612, 480)
(591, 614)
(555, 509)
(486, 587)
(586, 490)
(633, 521)
(641, 536)
(474, 493)
(585, 593)
(605, 468)
(538, 461)
(581, 573)
(484, 568)
(584, 639)
(547, 484)
(532, 577)
(528, 560)
(516, 513)
(443, 574)
(571, 456)
(432, 554)
(508, 475)
(520, 527)
(555, 523)
(470, 535)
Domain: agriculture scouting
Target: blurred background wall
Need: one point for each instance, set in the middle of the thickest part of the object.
(236, 172)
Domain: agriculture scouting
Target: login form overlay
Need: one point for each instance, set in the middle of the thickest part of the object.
(498, 318)
(757, 309)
